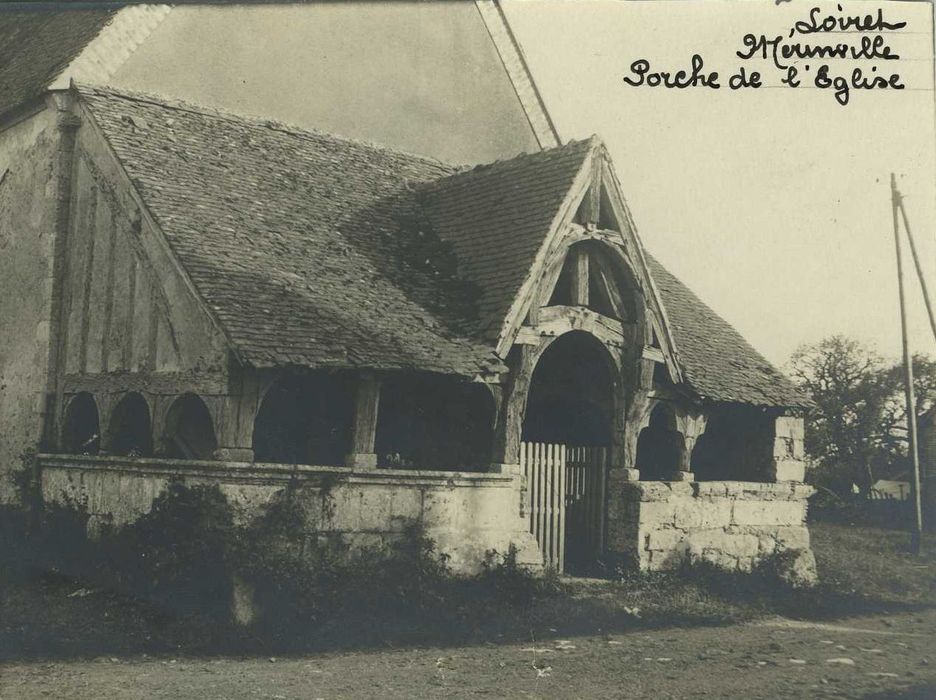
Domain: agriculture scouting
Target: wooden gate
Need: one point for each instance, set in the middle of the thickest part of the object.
(586, 481)
(566, 491)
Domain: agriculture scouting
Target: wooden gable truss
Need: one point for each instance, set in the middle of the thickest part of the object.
(594, 210)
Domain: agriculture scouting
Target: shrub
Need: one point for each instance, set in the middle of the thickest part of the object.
(175, 555)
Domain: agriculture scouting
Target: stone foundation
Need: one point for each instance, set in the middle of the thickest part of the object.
(465, 514)
(733, 525)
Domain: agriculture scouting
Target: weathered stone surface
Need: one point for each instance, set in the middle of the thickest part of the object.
(28, 203)
(719, 541)
(465, 514)
(793, 537)
(243, 605)
(798, 569)
(732, 525)
(657, 514)
(788, 469)
(665, 539)
(768, 513)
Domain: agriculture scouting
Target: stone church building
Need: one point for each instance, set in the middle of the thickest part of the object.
(487, 349)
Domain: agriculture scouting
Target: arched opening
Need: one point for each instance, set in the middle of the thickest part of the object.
(81, 430)
(660, 446)
(305, 419)
(189, 431)
(571, 401)
(737, 445)
(571, 396)
(129, 429)
(594, 277)
(433, 422)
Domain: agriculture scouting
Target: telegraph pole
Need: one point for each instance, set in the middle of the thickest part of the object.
(917, 526)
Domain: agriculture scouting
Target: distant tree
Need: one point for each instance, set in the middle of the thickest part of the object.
(845, 431)
(895, 412)
(857, 431)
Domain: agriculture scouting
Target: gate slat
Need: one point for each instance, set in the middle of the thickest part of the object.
(561, 515)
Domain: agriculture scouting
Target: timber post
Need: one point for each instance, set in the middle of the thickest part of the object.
(364, 428)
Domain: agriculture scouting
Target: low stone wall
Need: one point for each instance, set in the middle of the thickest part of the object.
(731, 524)
(465, 514)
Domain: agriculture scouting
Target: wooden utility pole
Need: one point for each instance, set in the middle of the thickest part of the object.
(918, 265)
(917, 526)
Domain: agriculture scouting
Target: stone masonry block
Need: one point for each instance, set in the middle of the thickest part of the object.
(768, 513)
(788, 470)
(733, 545)
(715, 514)
(793, 537)
(689, 514)
(791, 427)
(654, 515)
(664, 540)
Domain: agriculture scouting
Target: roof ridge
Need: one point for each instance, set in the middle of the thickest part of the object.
(183, 105)
(520, 157)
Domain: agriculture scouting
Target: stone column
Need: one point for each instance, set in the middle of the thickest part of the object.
(788, 461)
(364, 429)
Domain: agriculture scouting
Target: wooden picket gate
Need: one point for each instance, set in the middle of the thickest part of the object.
(566, 492)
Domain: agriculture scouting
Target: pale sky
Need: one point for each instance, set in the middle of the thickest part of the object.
(773, 205)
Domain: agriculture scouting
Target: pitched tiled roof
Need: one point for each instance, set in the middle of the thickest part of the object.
(300, 243)
(716, 360)
(37, 44)
(497, 217)
(315, 250)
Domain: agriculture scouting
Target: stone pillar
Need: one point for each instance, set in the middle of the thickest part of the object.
(788, 461)
(364, 429)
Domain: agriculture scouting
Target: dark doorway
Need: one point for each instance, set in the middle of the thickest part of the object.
(130, 427)
(81, 432)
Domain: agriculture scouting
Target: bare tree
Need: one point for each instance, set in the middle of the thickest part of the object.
(846, 432)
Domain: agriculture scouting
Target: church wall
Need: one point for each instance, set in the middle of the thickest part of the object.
(28, 196)
(432, 83)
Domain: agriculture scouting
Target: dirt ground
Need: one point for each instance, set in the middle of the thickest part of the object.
(886, 657)
(870, 634)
